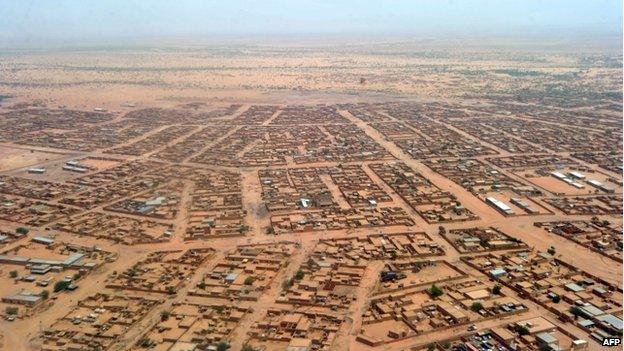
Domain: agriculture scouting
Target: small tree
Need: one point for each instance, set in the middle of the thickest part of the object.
(299, 275)
(202, 285)
(249, 280)
(44, 294)
(496, 289)
(521, 330)
(13, 274)
(556, 299)
(576, 311)
(223, 346)
(247, 347)
(11, 310)
(145, 342)
(164, 315)
(61, 285)
(21, 230)
(551, 250)
(171, 290)
(435, 291)
(132, 271)
(431, 347)
(476, 306)
(286, 284)
(544, 347)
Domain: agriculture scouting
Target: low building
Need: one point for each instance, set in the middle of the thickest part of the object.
(36, 170)
(577, 175)
(23, 298)
(43, 240)
(499, 205)
(498, 272)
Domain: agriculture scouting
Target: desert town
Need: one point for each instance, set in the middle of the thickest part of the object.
(464, 219)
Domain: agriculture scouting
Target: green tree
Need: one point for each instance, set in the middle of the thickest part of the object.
(435, 291)
(544, 347)
(576, 311)
(223, 346)
(556, 299)
(249, 280)
(476, 306)
(44, 294)
(21, 230)
(551, 250)
(61, 285)
(299, 275)
(521, 330)
(11, 310)
(496, 289)
(145, 342)
(286, 284)
(247, 347)
(13, 274)
(164, 315)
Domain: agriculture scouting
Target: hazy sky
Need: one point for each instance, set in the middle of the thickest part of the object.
(80, 19)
